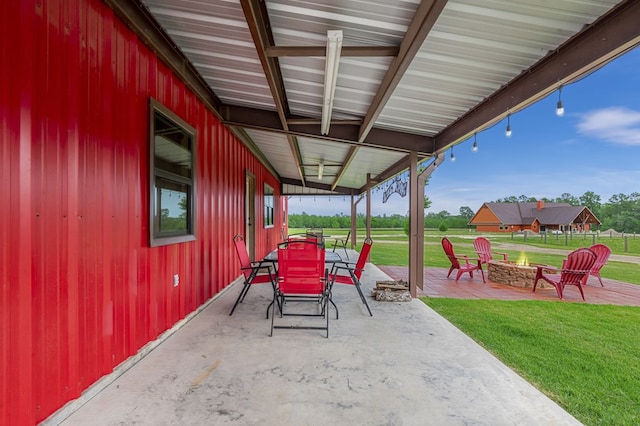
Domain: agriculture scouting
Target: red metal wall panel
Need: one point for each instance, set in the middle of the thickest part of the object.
(81, 290)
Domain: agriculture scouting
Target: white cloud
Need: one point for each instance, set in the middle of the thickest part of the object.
(617, 125)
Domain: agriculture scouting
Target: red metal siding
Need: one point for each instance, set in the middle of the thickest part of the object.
(80, 289)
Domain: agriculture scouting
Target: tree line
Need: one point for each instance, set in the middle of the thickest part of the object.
(431, 220)
(621, 213)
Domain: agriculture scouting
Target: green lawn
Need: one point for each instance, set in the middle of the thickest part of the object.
(391, 248)
(384, 252)
(584, 357)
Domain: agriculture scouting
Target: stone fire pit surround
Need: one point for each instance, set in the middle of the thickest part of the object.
(512, 274)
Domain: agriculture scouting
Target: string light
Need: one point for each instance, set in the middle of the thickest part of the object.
(474, 148)
(507, 132)
(560, 106)
(451, 156)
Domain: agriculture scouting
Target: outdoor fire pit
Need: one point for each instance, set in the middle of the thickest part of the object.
(516, 275)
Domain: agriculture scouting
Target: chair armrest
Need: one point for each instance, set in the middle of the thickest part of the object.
(262, 263)
(257, 266)
(541, 268)
(352, 270)
(504, 255)
(345, 262)
(346, 267)
(546, 267)
(467, 258)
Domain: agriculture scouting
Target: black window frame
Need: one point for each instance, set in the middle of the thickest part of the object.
(163, 178)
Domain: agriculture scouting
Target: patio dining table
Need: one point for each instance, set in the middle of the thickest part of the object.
(330, 257)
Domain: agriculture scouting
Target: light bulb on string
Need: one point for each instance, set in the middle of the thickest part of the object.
(451, 156)
(507, 132)
(474, 148)
(559, 105)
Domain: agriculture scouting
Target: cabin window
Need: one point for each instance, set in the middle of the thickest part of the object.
(268, 206)
(172, 175)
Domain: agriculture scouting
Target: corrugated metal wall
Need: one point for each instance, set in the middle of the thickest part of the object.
(80, 289)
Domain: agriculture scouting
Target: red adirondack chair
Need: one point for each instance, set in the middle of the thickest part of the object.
(602, 255)
(354, 271)
(483, 249)
(462, 268)
(574, 270)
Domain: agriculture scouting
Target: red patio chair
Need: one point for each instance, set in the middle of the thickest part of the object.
(574, 269)
(602, 255)
(254, 272)
(302, 277)
(354, 271)
(483, 249)
(462, 268)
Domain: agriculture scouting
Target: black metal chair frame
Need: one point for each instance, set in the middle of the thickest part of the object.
(352, 268)
(342, 242)
(255, 268)
(280, 298)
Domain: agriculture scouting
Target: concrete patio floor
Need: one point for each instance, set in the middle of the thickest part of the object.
(406, 365)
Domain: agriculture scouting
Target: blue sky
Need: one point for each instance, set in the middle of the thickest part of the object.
(595, 147)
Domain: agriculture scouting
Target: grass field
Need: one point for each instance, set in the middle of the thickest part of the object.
(584, 357)
(391, 248)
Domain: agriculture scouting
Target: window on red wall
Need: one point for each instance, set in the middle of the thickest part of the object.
(269, 203)
(172, 174)
(283, 209)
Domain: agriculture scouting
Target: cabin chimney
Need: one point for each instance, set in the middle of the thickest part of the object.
(540, 205)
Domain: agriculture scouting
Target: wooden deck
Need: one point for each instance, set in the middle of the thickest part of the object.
(436, 284)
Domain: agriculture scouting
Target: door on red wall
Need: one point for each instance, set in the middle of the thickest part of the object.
(250, 214)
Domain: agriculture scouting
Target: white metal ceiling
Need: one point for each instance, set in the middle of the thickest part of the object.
(473, 49)
(214, 36)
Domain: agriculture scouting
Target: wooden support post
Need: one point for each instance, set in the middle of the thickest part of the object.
(354, 226)
(415, 246)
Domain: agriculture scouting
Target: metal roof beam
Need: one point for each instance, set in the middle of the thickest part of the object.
(322, 186)
(346, 133)
(607, 38)
(399, 166)
(345, 165)
(425, 17)
(257, 18)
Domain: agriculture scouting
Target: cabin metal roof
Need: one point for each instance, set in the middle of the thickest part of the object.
(548, 214)
(414, 76)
